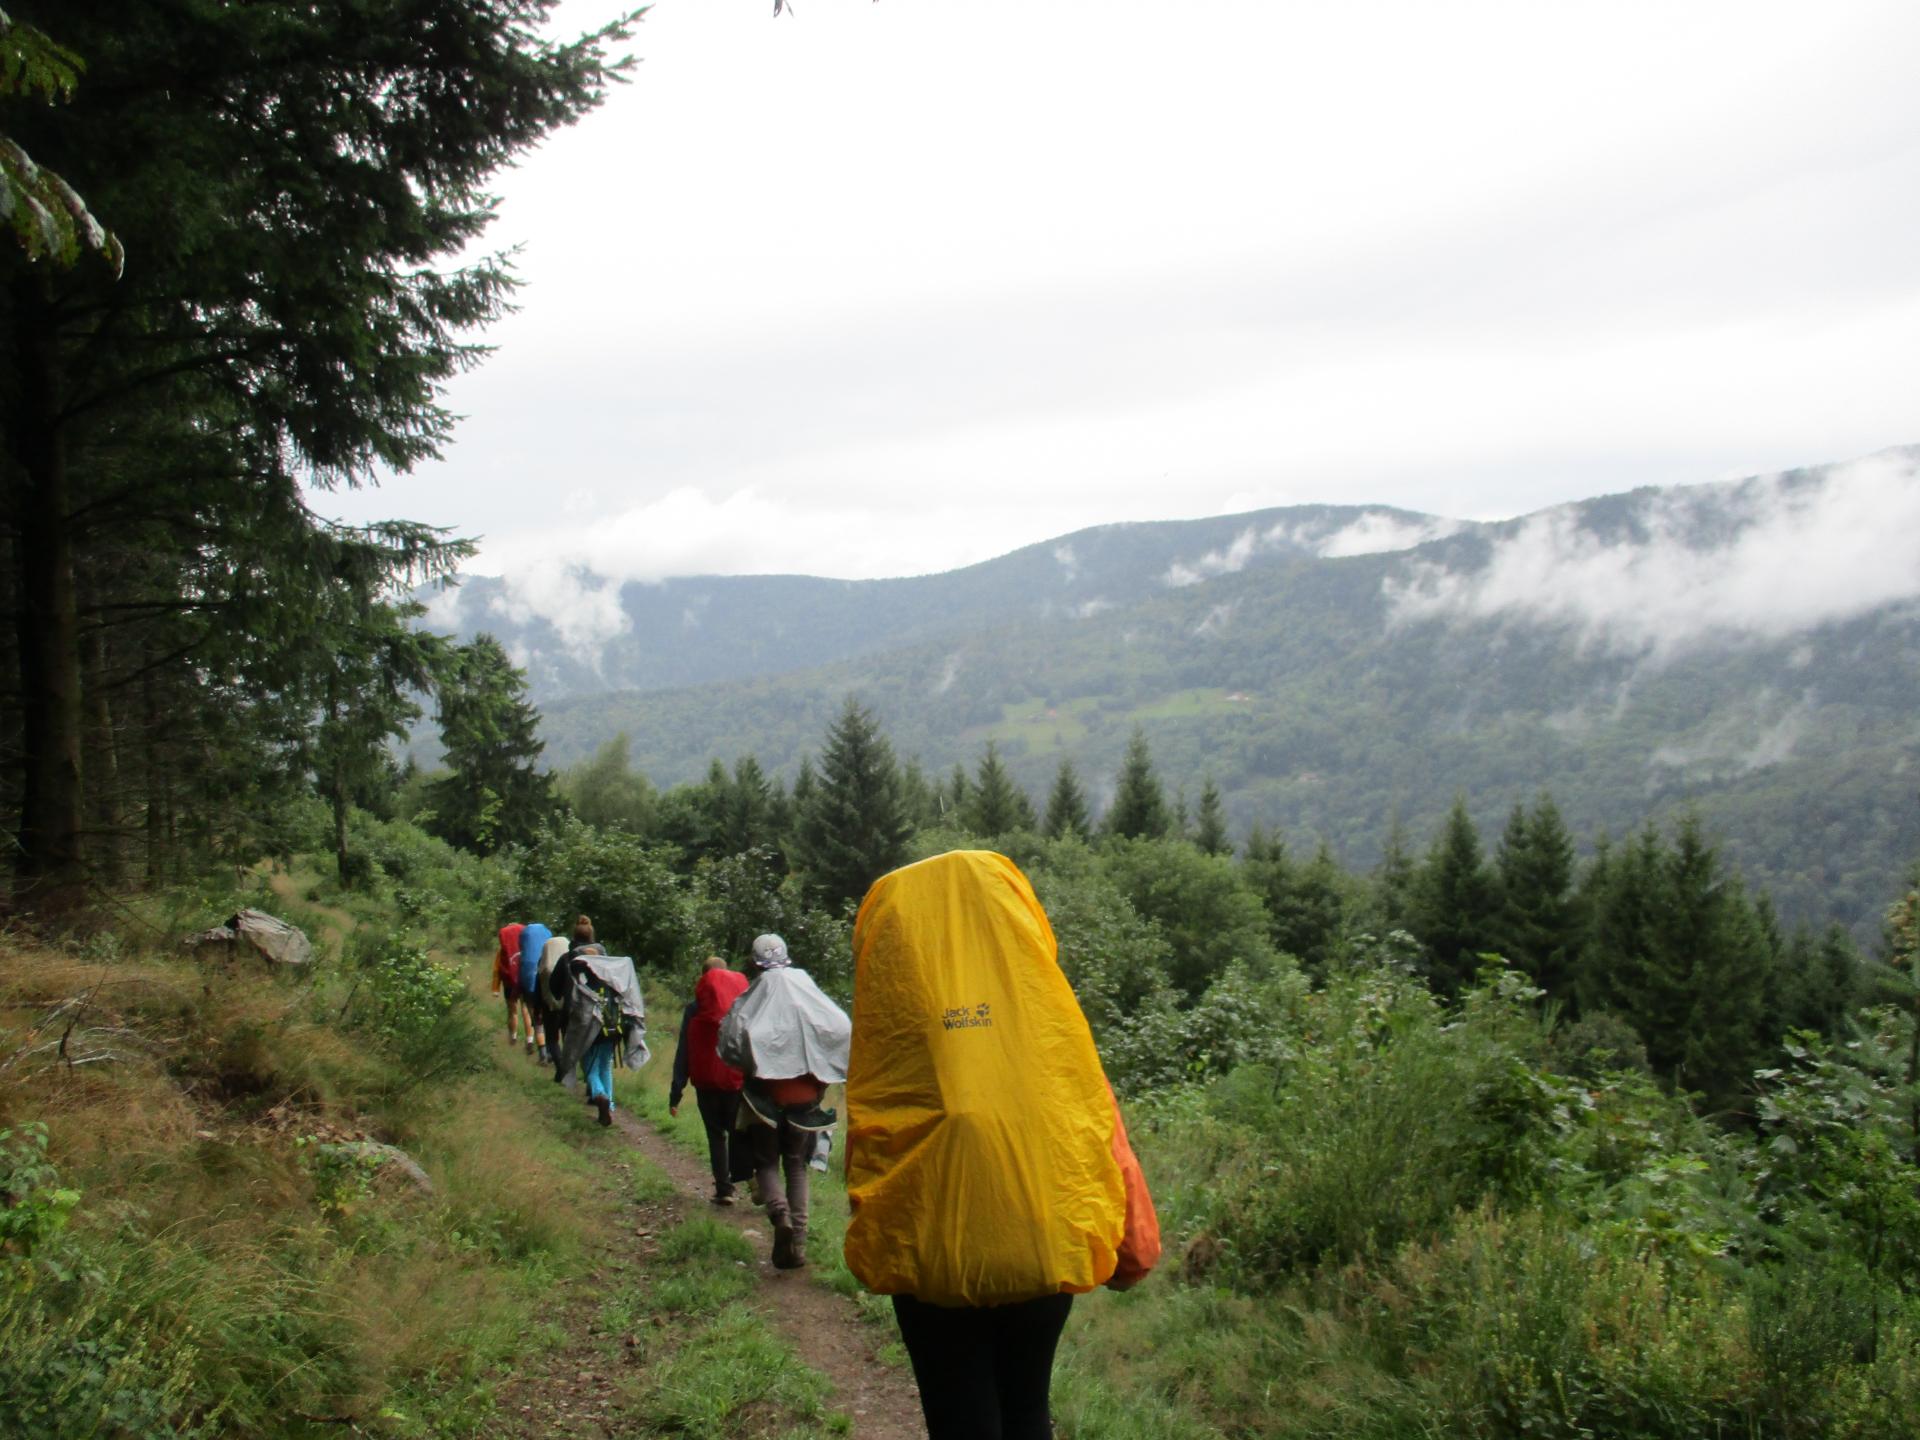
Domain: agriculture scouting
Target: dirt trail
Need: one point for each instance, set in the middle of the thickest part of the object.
(822, 1327)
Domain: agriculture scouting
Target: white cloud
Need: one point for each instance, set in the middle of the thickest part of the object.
(1454, 273)
(583, 609)
(1378, 532)
(1063, 555)
(949, 672)
(1742, 743)
(1215, 620)
(1226, 561)
(1801, 553)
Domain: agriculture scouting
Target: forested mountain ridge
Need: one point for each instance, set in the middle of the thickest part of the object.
(1751, 650)
(578, 634)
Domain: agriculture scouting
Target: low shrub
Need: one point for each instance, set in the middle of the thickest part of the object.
(419, 1010)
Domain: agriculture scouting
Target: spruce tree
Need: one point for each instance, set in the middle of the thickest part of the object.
(1210, 833)
(1393, 880)
(805, 781)
(1066, 806)
(366, 699)
(1622, 896)
(1307, 905)
(954, 797)
(1820, 981)
(1455, 903)
(1716, 958)
(1676, 949)
(1537, 928)
(748, 812)
(854, 827)
(494, 796)
(1139, 807)
(919, 795)
(996, 805)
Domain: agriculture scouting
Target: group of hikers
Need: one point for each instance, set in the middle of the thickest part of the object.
(988, 1172)
(577, 1006)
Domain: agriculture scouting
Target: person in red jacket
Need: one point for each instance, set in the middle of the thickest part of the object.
(506, 980)
(716, 1084)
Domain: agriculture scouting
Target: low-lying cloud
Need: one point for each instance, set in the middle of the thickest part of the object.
(1228, 560)
(583, 609)
(1764, 558)
(1742, 743)
(1372, 532)
(1380, 532)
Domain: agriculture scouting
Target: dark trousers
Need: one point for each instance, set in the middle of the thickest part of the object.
(550, 1028)
(984, 1372)
(718, 1110)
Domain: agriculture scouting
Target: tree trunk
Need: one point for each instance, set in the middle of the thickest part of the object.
(337, 778)
(153, 781)
(101, 766)
(49, 858)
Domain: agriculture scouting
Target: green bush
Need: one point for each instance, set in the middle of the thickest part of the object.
(735, 898)
(33, 1204)
(76, 1365)
(419, 1010)
(638, 904)
(1527, 1326)
(88, 1373)
(1382, 1115)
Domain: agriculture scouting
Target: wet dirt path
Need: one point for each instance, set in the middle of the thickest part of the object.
(822, 1327)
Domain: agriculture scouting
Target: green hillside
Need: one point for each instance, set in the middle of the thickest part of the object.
(1289, 686)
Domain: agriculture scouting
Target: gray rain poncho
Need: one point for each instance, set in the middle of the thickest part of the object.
(785, 1027)
(582, 1022)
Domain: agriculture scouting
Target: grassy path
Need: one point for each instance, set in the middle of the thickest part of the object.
(678, 1323)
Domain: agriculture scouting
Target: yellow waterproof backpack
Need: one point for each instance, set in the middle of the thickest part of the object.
(980, 1128)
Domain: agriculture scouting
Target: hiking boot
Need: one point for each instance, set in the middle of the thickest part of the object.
(529, 1045)
(722, 1197)
(605, 1107)
(785, 1255)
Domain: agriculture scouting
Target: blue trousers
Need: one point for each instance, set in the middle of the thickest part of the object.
(599, 1068)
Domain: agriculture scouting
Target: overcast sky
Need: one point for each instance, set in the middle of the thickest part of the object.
(885, 288)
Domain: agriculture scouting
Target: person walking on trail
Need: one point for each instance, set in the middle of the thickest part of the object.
(506, 981)
(550, 955)
(989, 1174)
(533, 939)
(554, 981)
(790, 1041)
(716, 1084)
(606, 1019)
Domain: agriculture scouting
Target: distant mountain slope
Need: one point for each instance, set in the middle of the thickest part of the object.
(579, 635)
(1751, 649)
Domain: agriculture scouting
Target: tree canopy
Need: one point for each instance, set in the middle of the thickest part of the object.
(299, 187)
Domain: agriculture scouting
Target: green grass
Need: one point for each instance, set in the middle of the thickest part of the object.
(1041, 729)
(733, 1372)
(646, 1095)
(1188, 705)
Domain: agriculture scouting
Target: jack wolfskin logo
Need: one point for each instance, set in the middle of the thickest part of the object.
(968, 1017)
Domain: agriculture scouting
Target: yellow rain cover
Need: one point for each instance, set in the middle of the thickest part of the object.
(980, 1161)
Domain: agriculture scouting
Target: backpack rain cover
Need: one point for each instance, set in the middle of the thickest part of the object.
(980, 1163)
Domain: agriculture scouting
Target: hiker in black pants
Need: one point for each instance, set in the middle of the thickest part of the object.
(716, 1084)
